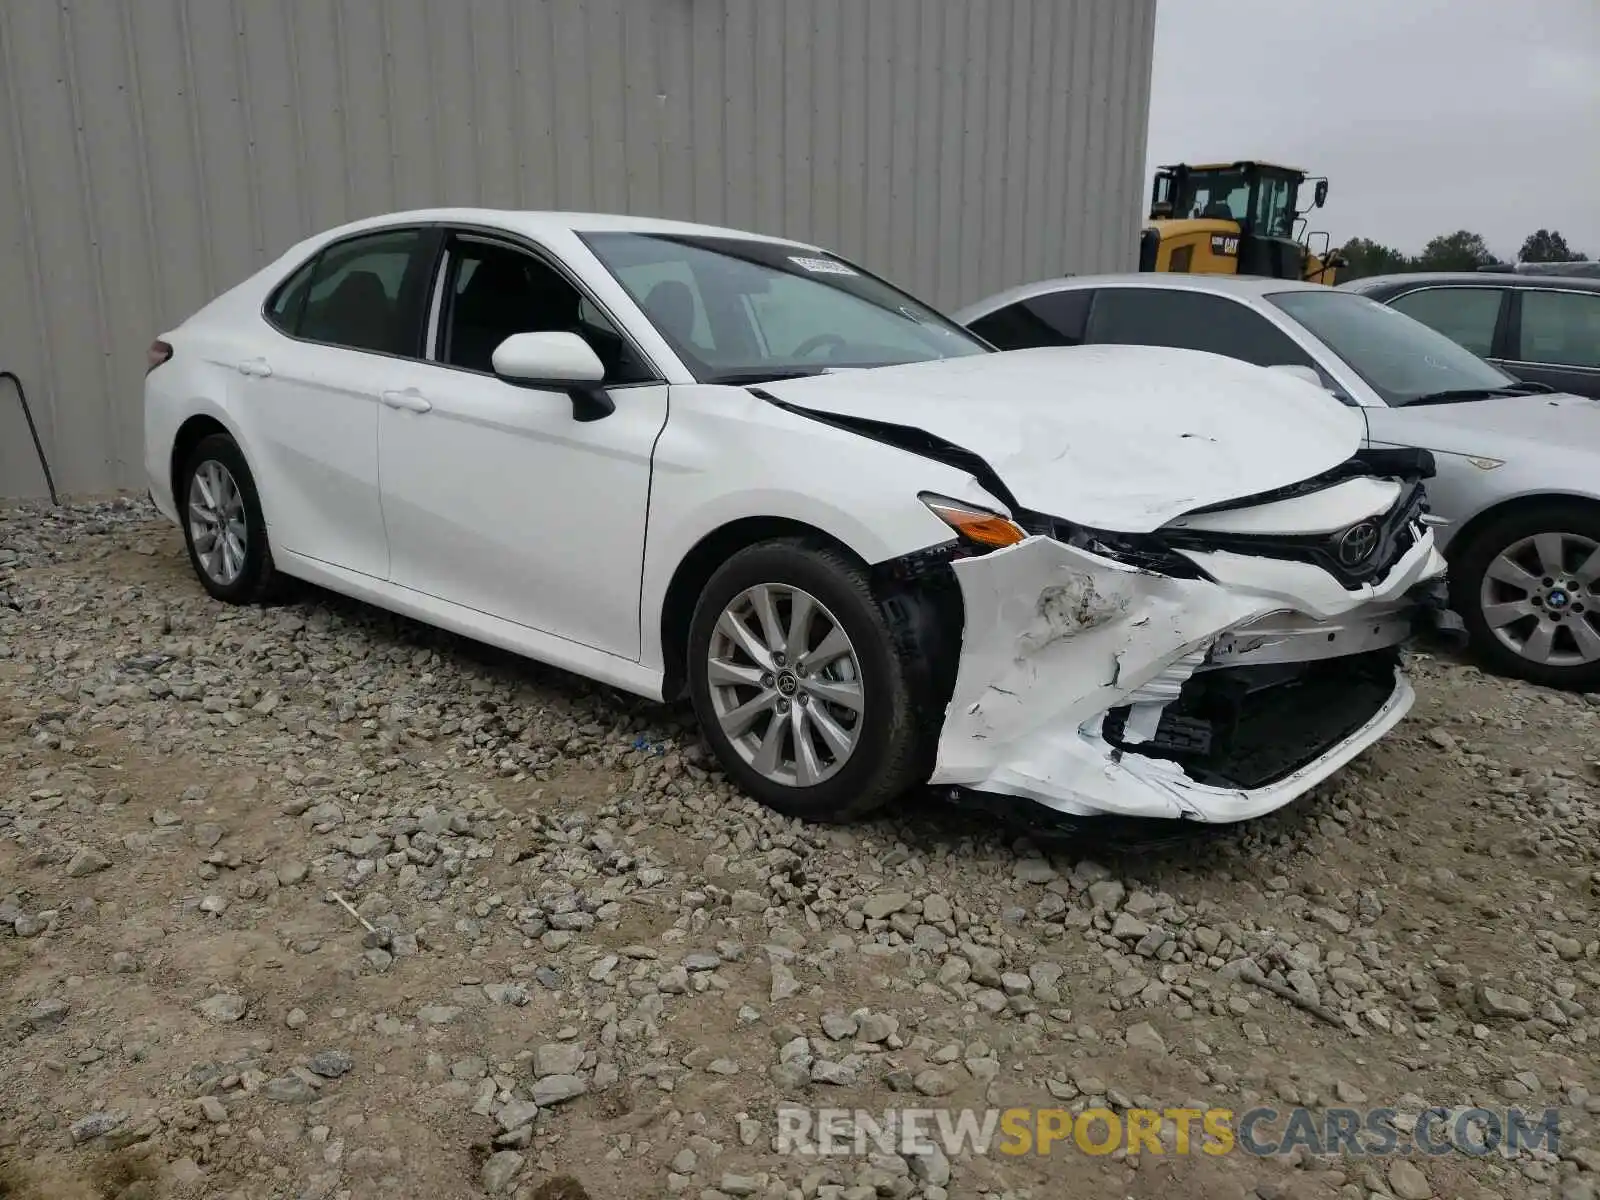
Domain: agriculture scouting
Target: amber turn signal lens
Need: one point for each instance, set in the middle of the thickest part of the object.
(977, 525)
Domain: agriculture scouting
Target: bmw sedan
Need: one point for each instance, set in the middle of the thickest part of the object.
(687, 460)
(1516, 498)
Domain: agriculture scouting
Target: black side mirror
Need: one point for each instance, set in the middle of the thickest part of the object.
(1320, 195)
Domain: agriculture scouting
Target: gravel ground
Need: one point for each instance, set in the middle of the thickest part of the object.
(580, 965)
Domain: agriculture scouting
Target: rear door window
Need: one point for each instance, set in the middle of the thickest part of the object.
(1053, 319)
(364, 294)
(1467, 316)
(1190, 321)
(288, 302)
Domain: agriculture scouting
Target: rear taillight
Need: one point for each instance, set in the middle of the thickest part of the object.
(158, 353)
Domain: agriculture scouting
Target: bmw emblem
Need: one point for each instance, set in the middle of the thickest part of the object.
(1357, 544)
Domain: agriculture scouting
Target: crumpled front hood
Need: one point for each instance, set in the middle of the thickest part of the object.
(1121, 438)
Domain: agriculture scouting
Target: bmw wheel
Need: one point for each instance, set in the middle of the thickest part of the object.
(222, 523)
(798, 686)
(1528, 588)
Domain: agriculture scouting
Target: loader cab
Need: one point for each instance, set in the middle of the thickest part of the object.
(1234, 218)
(1263, 200)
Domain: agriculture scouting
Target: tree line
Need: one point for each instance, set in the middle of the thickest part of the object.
(1462, 250)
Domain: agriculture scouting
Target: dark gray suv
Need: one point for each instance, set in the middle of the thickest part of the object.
(1541, 328)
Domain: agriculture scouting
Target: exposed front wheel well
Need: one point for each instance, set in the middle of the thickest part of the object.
(190, 434)
(697, 567)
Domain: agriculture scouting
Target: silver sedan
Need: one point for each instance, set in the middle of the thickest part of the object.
(1516, 500)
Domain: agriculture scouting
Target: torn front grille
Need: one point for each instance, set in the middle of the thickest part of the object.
(1249, 727)
(1360, 554)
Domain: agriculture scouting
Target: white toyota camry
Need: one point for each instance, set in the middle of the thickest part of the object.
(873, 551)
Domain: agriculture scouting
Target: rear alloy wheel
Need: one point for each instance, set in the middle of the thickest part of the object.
(222, 523)
(1528, 588)
(217, 526)
(797, 685)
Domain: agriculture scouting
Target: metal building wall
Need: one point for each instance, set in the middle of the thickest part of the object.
(154, 152)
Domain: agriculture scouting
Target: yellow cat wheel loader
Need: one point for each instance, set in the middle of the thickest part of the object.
(1241, 218)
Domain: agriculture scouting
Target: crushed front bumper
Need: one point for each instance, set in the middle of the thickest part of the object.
(1095, 688)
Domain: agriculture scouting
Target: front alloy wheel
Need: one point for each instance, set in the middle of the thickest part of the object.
(785, 684)
(799, 685)
(1541, 597)
(1527, 584)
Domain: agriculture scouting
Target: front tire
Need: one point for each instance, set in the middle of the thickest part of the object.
(1527, 586)
(797, 684)
(222, 523)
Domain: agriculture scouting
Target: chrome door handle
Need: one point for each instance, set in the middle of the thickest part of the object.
(409, 400)
(258, 368)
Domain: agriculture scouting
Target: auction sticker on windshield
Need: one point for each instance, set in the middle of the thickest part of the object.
(820, 266)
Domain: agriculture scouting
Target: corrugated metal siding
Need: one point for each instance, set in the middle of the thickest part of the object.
(154, 153)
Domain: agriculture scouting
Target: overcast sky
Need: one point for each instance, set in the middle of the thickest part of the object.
(1426, 115)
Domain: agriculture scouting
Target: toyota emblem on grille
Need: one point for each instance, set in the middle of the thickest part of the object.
(1357, 544)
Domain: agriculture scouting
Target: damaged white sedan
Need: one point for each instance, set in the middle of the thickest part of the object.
(874, 553)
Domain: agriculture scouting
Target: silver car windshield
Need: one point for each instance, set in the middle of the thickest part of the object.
(738, 310)
(1401, 359)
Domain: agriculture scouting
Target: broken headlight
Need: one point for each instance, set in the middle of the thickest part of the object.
(1142, 551)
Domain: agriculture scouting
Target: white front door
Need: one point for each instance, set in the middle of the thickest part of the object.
(497, 497)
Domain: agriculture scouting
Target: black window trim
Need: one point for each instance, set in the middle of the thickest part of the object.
(427, 249)
(1514, 331)
(1499, 336)
(437, 260)
(505, 239)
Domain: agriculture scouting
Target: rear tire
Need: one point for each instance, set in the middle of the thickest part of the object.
(1527, 586)
(222, 523)
(814, 718)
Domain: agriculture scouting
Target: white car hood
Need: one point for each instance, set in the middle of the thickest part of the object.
(1120, 438)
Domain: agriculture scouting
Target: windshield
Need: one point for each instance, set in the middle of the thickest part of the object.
(1399, 358)
(741, 310)
(1220, 195)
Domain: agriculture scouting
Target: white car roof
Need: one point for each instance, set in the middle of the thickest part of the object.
(534, 223)
(1244, 286)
